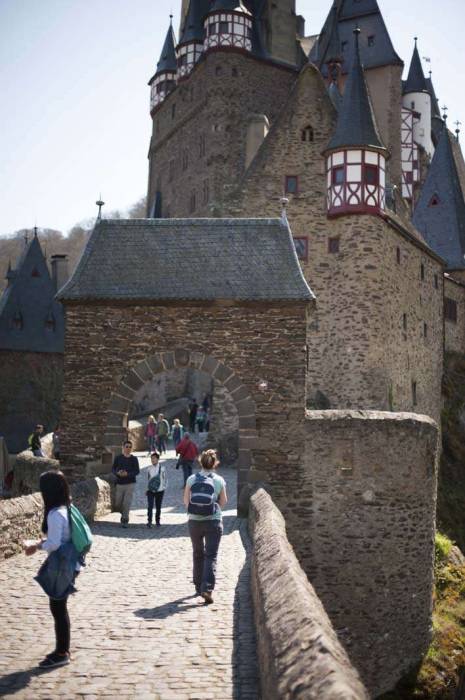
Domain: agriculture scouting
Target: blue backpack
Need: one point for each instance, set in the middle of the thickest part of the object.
(203, 496)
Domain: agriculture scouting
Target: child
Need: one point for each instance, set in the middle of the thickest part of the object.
(57, 501)
(157, 483)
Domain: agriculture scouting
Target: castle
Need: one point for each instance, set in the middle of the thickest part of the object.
(246, 110)
(303, 246)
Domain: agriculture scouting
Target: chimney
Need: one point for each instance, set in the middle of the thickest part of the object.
(257, 129)
(59, 271)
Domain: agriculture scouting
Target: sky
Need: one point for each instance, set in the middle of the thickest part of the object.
(74, 100)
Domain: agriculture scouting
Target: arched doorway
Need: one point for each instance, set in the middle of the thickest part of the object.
(146, 370)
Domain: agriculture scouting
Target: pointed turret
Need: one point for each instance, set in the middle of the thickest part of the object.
(440, 211)
(376, 48)
(437, 122)
(416, 81)
(164, 80)
(356, 155)
(26, 304)
(228, 26)
(417, 98)
(190, 47)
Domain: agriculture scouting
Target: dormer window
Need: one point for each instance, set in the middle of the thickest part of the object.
(17, 321)
(292, 184)
(224, 28)
(35, 272)
(371, 175)
(371, 40)
(50, 323)
(356, 181)
(434, 201)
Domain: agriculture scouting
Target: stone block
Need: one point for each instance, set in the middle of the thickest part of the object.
(181, 357)
(118, 403)
(155, 364)
(168, 360)
(246, 407)
(144, 371)
(132, 381)
(209, 365)
(222, 373)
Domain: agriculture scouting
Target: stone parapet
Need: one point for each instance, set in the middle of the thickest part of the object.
(300, 656)
(21, 518)
(27, 470)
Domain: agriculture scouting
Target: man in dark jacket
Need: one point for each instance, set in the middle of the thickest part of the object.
(36, 445)
(187, 449)
(126, 469)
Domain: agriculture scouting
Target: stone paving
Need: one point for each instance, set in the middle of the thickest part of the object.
(137, 629)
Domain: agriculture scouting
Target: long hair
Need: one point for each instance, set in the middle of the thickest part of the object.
(55, 493)
(208, 460)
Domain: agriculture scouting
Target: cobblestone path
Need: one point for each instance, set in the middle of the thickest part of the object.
(137, 630)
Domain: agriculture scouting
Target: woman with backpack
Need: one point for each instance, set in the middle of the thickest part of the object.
(157, 483)
(205, 496)
(62, 556)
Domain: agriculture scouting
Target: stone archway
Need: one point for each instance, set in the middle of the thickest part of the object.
(147, 369)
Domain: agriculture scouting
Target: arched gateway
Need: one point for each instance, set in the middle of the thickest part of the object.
(226, 297)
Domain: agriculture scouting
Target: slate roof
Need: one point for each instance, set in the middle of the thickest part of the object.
(193, 28)
(189, 260)
(416, 81)
(31, 294)
(228, 5)
(356, 124)
(351, 14)
(167, 62)
(443, 225)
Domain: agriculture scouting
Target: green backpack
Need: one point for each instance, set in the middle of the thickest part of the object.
(81, 535)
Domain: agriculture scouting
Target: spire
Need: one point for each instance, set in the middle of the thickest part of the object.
(356, 125)
(193, 30)
(416, 81)
(333, 49)
(167, 62)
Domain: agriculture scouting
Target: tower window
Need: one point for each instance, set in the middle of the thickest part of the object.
(422, 272)
(371, 175)
(425, 330)
(371, 40)
(404, 322)
(333, 245)
(301, 247)
(338, 175)
(211, 28)
(414, 393)
(307, 134)
(224, 28)
(292, 184)
(192, 202)
(434, 201)
(450, 310)
(436, 282)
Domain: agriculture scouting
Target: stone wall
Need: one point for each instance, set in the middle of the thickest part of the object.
(27, 470)
(245, 344)
(358, 353)
(300, 656)
(455, 332)
(30, 393)
(199, 133)
(224, 426)
(21, 518)
(361, 518)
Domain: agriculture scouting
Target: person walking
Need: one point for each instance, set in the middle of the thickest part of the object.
(177, 432)
(56, 526)
(126, 469)
(188, 452)
(204, 497)
(35, 442)
(201, 416)
(151, 433)
(157, 483)
(193, 408)
(163, 431)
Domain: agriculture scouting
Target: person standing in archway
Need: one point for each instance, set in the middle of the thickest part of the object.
(126, 469)
(193, 408)
(188, 452)
(205, 496)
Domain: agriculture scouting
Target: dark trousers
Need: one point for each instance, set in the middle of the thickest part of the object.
(205, 537)
(161, 439)
(186, 469)
(158, 498)
(59, 611)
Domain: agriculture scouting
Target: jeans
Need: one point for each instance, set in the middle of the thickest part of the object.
(205, 537)
(186, 469)
(152, 442)
(59, 611)
(158, 498)
(162, 443)
(123, 500)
